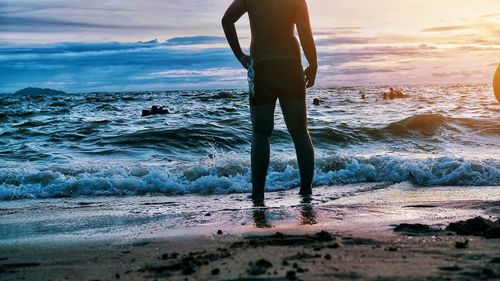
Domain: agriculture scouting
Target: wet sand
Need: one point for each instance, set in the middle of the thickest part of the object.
(343, 233)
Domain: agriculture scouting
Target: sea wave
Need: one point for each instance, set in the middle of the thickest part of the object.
(197, 127)
(422, 126)
(229, 173)
(431, 123)
(233, 133)
(426, 124)
(189, 137)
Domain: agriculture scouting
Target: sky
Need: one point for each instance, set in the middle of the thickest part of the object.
(135, 45)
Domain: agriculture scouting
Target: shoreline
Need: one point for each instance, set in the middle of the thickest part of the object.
(136, 238)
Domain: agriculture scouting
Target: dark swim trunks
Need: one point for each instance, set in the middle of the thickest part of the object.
(283, 79)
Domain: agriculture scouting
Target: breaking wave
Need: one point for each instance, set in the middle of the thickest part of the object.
(230, 174)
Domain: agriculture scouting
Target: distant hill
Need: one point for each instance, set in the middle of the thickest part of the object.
(38, 91)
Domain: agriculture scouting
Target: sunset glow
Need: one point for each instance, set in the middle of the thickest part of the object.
(360, 42)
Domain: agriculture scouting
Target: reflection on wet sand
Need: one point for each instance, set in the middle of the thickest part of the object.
(259, 214)
(307, 213)
(260, 218)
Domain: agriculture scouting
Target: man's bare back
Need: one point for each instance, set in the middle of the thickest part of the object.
(273, 29)
(273, 32)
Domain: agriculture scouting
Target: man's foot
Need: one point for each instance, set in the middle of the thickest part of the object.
(258, 203)
(305, 191)
(258, 199)
(306, 199)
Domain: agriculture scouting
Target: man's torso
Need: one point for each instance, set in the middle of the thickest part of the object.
(273, 29)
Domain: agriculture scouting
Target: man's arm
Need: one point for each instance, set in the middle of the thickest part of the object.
(307, 42)
(237, 9)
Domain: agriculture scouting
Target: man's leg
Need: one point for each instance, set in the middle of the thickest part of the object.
(262, 123)
(294, 112)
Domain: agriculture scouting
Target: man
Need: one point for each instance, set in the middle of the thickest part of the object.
(275, 58)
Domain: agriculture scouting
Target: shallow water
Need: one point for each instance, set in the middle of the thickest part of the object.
(97, 144)
(348, 207)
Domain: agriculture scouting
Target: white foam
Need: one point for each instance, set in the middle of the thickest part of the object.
(228, 173)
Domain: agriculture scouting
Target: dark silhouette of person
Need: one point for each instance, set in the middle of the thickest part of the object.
(394, 94)
(275, 60)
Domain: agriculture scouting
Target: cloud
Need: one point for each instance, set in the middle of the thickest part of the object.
(363, 70)
(203, 78)
(338, 30)
(344, 41)
(462, 73)
(191, 52)
(210, 72)
(83, 47)
(490, 15)
(445, 28)
(20, 7)
(57, 16)
(117, 66)
(378, 53)
(49, 21)
(478, 49)
(195, 40)
(188, 62)
(34, 24)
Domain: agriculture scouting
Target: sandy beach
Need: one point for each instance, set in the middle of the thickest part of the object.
(343, 233)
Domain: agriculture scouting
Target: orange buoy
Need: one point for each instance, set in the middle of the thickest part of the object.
(496, 83)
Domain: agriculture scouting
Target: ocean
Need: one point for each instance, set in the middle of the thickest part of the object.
(97, 144)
